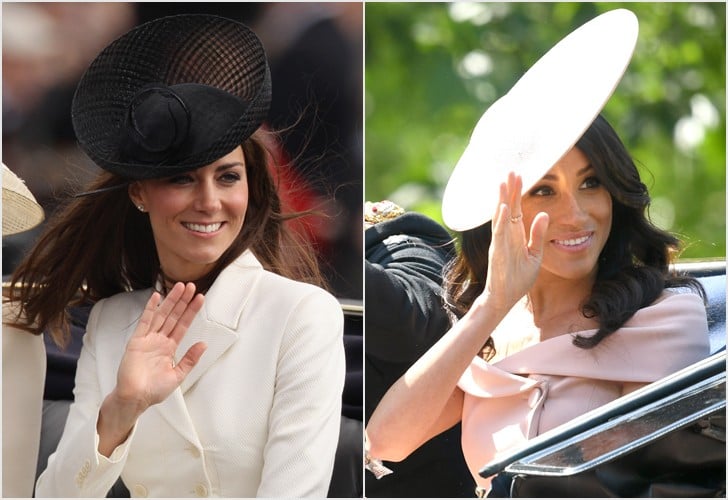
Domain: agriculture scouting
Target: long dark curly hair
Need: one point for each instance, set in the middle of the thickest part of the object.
(633, 267)
(100, 245)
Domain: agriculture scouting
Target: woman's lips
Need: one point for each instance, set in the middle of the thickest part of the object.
(203, 228)
(575, 243)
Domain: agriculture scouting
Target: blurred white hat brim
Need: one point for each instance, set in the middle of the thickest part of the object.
(541, 118)
(20, 210)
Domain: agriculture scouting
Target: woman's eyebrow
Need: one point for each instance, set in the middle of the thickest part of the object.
(585, 169)
(582, 171)
(227, 166)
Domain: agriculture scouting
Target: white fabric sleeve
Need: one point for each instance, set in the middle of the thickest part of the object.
(305, 417)
(77, 469)
(24, 369)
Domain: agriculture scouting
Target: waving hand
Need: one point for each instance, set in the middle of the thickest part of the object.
(148, 372)
(513, 260)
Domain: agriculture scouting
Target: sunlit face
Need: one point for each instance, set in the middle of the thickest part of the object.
(197, 215)
(580, 216)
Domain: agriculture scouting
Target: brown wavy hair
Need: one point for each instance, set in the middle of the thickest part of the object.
(633, 265)
(99, 245)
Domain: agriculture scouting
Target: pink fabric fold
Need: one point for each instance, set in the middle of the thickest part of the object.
(549, 383)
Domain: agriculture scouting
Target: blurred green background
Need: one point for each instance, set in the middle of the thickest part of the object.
(431, 69)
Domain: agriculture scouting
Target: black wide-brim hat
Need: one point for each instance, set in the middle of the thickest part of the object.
(172, 95)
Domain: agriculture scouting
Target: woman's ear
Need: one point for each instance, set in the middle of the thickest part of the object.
(135, 194)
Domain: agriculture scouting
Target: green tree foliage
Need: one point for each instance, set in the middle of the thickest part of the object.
(433, 68)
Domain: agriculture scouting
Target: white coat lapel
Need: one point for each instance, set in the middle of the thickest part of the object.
(217, 324)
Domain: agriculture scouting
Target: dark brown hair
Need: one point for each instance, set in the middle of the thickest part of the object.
(100, 245)
(633, 265)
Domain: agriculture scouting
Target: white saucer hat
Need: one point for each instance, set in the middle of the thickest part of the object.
(20, 210)
(541, 118)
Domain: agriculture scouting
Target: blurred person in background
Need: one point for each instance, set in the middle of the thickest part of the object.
(24, 360)
(46, 47)
(405, 255)
(316, 53)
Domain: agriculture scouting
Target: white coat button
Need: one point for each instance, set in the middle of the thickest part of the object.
(534, 397)
(83, 473)
(139, 490)
(195, 452)
(200, 490)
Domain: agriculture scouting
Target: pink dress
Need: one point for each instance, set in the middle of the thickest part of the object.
(549, 383)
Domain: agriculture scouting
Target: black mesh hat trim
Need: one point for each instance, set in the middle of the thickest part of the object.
(188, 48)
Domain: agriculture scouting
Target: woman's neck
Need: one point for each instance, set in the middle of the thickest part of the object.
(167, 281)
(552, 298)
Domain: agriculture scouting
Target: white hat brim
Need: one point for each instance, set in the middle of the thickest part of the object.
(20, 209)
(541, 118)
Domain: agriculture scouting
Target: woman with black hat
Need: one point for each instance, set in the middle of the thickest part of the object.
(212, 365)
(561, 295)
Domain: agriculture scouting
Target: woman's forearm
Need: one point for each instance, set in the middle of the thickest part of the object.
(116, 420)
(408, 413)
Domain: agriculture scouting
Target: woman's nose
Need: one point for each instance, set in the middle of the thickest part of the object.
(207, 198)
(572, 208)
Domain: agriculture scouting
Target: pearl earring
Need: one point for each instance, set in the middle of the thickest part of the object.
(140, 207)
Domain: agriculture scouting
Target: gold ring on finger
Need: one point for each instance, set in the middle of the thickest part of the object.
(516, 218)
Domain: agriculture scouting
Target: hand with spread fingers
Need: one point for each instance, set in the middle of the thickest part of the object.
(513, 261)
(148, 373)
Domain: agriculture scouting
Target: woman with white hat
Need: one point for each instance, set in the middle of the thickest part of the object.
(212, 364)
(561, 295)
(24, 359)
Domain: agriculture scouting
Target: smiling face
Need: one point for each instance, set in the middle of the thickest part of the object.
(580, 217)
(195, 216)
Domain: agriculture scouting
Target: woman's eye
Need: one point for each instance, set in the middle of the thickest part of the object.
(591, 182)
(230, 177)
(541, 191)
(180, 179)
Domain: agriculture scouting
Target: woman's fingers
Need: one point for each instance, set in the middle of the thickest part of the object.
(537, 237)
(166, 307)
(185, 319)
(190, 359)
(172, 316)
(178, 307)
(516, 185)
(143, 328)
(509, 202)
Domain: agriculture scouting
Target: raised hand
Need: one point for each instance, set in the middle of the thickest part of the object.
(148, 372)
(513, 261)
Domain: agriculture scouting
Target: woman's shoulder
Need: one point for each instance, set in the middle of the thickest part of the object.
(673, 329)
(120, 307)
(247, 282)
(673, 305)
(676, 314)
(123, 299)
(297, 291)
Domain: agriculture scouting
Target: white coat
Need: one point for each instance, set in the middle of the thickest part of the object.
(258, 416)
(24, 369)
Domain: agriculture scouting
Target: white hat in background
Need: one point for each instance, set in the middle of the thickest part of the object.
(20, 210)
(541, 118)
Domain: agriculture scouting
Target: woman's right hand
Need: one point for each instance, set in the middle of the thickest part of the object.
(513, 261)
(148, 372)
